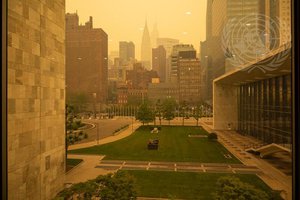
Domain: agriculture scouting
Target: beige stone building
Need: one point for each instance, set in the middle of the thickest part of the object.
(35, 98)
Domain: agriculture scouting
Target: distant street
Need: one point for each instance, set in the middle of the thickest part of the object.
(106, 127)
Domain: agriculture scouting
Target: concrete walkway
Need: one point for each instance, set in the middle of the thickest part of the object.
(178, 166)
(122, 134)
(236, 143)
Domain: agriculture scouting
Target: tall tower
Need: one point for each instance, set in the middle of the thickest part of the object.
(146, 48)
(154, 36)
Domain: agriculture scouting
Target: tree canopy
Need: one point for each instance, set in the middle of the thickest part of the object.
(119, 186)
(145, 113)
(229, 187)
(169, 106)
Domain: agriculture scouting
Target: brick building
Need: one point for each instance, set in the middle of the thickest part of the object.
(86, 60)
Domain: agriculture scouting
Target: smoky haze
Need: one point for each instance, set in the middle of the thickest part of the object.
(123, 20)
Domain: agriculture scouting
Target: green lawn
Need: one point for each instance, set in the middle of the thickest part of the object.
(174, 145)
(185, 185)
(71, 162)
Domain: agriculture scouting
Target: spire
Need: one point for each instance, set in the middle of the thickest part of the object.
(146, 51)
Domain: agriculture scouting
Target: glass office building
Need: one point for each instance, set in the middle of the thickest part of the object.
(264, 110)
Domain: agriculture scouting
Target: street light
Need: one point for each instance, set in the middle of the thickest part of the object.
(97, 134)
(95, 96)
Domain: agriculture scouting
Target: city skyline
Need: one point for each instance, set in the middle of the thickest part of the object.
(124, 20)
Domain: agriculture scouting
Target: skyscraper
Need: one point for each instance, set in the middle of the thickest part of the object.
(126, 52)
(180, 51)
(146, 48)
(167, 43)
(154, 36)
(86, 60)
(159, 62)
(189, 80)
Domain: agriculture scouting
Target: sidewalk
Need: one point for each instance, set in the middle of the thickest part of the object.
(234, 142)
(122, 134)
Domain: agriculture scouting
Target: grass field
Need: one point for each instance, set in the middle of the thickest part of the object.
(186, 185)
(174, 145)
(71, 162)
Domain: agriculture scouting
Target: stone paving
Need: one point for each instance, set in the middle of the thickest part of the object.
(177, 166)
(237, 143)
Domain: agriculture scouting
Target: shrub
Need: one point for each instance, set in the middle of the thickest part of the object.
(212, 136)
(80, 133)
(232, 188)
(85, 135)
(76, 138)
(111, 186)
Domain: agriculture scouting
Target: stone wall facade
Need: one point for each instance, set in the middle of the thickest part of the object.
(36, 98)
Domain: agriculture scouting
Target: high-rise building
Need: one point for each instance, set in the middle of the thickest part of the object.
(146, 48)
(167, 43)
(219, 14)
(86, 60)
(159, 62)
(180, 51)
(154, 36)
(189, 81)
(35, 99)
(126, 52)
(209, 19)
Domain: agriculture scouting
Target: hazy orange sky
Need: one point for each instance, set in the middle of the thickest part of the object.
(123, 20)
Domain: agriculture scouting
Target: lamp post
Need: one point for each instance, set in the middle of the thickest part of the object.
(95, 96)
(97, 134)
(132, 124)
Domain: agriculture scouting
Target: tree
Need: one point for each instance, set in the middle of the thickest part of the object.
(169, 106)
(198, 113)
(69, 116)
(145, 113)
(158, 110)
(229, 187)
(118, 186)
(79, 101)
(71, 125)
(182, 109)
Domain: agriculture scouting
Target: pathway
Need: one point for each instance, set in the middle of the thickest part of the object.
(237, 143)
(122, 134)
(177, 166)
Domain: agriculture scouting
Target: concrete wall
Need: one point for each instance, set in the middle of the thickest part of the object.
(36, 98)
(225, 106)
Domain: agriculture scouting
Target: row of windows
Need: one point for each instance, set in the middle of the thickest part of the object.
(265, 110)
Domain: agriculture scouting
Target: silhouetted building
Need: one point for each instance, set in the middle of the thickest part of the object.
(146, 48)
(159, 62)
(86, 60)
(189, 81)
(126, 52)
(139, 77)
(154, 36)
(180, 51)
(162, 91)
